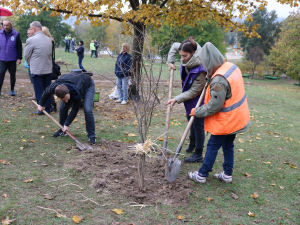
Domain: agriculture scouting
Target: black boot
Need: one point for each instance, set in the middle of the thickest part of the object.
(196, 157)
(191, 145)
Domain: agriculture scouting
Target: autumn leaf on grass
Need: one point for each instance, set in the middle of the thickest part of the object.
(42, 136)
(23, 140)
(281, 187)
(180, 217)
(251, 214)
(118, 211)
(49, 196)
(75, 120)
(6, 121)
(267, 162)
(4, 195)
(2, 161)
(131, 135)
(241, 140)
(77, 219)
(111, 125)
(130, 141)
(234, 196)
(247, 174)
(240, 150)
(161, 139)
(209, 199)
(258, 138)
(7, 221)
(292, 166)
(47, 126)
(254, 195)
(35, 161)
(28, 181)
(33, 141)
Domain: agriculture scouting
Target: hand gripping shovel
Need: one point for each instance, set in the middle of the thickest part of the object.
(168, 112)
(173, 164)
(79, 145)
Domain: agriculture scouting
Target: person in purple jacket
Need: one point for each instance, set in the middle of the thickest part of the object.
(193, 80)
(10, 54)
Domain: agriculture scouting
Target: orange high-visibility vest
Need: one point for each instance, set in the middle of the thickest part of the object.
(235, 113)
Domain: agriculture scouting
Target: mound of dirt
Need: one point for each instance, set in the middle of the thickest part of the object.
(114, 168)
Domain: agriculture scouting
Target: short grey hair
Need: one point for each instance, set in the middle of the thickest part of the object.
(7, 21)
(37, 25)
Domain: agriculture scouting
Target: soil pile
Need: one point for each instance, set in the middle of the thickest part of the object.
(114, 168)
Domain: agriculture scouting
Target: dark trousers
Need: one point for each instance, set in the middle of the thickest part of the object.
(96, 52)
(215, 142)
(40, 83)
(11, 66)
(197, 132)
(88, 102)
(80, 62)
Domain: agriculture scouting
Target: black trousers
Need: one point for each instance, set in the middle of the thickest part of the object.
(197, 132)
(11, 66)
(96, 52)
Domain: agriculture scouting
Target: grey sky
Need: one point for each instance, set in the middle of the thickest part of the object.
(282, 10)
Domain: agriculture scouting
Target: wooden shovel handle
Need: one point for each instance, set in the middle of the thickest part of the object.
(57, 123)
(168, 111)
(188, 127)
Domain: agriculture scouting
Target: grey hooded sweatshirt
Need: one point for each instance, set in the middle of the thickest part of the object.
(220, 90)
(198, 83)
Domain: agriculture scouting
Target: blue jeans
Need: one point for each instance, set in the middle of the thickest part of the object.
(122, 84)
(197, 132)
(40, 83)
(88, 102)
(214, 144)
(80, 62)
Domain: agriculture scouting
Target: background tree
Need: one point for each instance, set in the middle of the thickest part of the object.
(57, 28)
(92, 33)
(286, 53)
(268, 30)
(255, 56)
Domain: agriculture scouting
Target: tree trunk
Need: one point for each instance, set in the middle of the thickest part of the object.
(137, 54)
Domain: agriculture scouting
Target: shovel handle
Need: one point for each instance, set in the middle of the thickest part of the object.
(168, 112)
(58, 124)
(188, 127)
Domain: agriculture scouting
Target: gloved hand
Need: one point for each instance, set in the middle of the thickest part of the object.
(193, 112)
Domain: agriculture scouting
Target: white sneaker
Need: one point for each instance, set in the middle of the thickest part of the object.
(118, 101)
(123, 102)
(223, 177)
(196, 177)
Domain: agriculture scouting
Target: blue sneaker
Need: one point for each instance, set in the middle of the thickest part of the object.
(12, 93)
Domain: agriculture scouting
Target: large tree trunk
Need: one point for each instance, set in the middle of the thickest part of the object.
(137, 54)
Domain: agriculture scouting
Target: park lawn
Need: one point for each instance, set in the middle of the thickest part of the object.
(267, 154)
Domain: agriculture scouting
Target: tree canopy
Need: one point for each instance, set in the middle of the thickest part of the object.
(268, 31)
(285, 55)
(57, 29)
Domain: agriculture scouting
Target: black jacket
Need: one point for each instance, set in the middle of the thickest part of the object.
(80, 51)
(81, 80)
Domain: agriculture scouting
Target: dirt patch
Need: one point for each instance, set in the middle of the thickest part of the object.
(114, 169)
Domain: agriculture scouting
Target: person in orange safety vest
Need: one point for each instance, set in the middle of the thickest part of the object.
(225, 110)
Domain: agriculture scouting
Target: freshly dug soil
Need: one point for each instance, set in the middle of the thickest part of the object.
(114, 168)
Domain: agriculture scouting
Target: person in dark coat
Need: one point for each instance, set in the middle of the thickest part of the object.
(10, 54)
(71, 89)
(80, 53)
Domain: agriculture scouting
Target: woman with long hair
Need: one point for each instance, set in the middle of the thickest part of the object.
(193, 80)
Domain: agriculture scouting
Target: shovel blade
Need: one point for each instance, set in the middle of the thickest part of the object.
(172, 169)
(83, 147)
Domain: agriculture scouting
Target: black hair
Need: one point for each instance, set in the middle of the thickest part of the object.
(189, 45)
(81, 41)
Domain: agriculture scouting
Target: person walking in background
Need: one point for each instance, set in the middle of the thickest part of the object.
(66, 43)
(73, 43)
(38, 54)
(96, 46)
(80, 54)
(193, 80)
(122, 71)
(47, 33)
(10, 54)
(92, 48)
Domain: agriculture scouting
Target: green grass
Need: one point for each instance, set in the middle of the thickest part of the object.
(272, 141)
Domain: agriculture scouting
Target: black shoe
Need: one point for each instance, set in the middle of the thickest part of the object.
(59, 133)
(92, 141)
(194, 158)
(38, 113)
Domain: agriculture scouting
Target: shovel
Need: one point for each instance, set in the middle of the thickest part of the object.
(168, 112)
(173, 164)
(79, 145)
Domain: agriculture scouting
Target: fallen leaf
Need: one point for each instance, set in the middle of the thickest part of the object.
(234, 196)
(42, 136)
(180, 217)
(130, 141)
(273, 184)
(131, 135)
(35, 161)
(292, 166)
(32, 141)
(2, 161)
(75, 120)
(77, 219)
(24, 140)
(111, 125)
(281, 187)
(251, 214)
(161, 139)
(209, 199)
(49, 196)
(286, 163)
(258, 138)
(254, 195)
(248, 159)
(240, 150)
(267, 162)
(247, 174)
(21, 148)
(42, 153)
(6, 121)
(47, 126)
(241, 140)
(118, 211)
(4, 196)
(200, 217)
(7, 221)
(28, 181)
